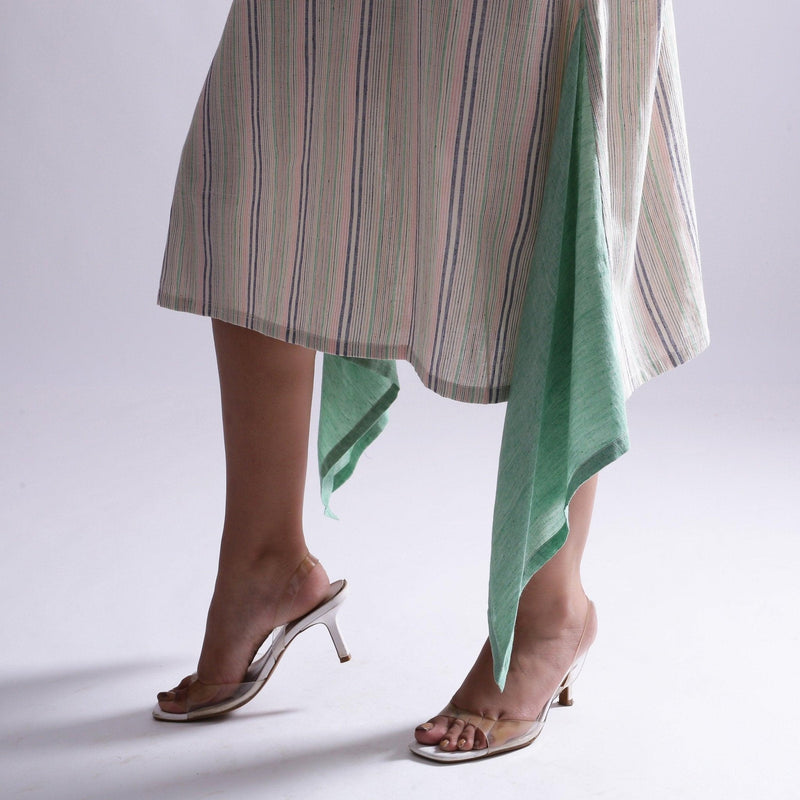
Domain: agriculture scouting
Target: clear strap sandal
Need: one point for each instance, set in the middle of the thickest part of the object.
(503, 735)
(210, 700)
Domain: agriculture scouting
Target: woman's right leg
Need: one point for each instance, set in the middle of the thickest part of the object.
(266, 387)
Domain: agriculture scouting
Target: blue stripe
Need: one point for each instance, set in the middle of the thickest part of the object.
(657, 317)
(308, 126)
(525, 218)
(418, 196)
(364, 128)
(441, 332)
(468, 65)
(356, 180)
(681, 179)
(208, 252)
(255, 121)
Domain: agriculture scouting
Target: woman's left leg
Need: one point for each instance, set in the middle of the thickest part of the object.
(266, 389)
(552, 611)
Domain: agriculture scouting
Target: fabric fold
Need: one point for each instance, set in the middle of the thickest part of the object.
(356, 394)
(565, 418)
(497, 192)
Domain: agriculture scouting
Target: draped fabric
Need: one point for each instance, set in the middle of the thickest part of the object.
(565, 418)
(498, 191)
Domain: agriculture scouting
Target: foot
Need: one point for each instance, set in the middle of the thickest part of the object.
(546, 641)
(248, 602)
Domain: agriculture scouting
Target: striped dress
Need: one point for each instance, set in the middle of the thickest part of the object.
(497, 191)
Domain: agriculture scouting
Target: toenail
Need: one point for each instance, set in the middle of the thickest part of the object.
(444, 743)
(426, 726)
(461, 743)
(166, 696)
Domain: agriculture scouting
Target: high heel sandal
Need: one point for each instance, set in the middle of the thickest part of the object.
(504, 735)
(222, 698)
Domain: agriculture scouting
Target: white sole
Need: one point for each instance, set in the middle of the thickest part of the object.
(261, 669)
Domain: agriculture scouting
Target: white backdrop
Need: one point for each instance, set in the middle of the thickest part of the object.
(111, 493)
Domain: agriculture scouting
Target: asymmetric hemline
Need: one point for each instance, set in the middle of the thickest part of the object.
(366, 178)
(497, 192)
(466, 394)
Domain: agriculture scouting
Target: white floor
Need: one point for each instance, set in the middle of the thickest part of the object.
(111, 504)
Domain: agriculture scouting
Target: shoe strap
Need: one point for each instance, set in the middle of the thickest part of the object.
(293, 585)
(591, 613)
(497, 732)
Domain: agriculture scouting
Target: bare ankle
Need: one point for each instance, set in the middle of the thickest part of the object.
(550, 611)
(260, 558)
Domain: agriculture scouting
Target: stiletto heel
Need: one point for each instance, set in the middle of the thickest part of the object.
(503, 735)
(332, 624)
(565, 696)
(216, 699)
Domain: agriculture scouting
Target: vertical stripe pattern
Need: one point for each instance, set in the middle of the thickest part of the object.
(365, 178)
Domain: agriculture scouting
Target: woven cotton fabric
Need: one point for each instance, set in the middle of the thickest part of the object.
(365, 178)
(565, 418)
(498, 191)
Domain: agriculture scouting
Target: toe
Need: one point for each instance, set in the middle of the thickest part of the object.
(179, 702)
(472, 738)
(432, 731)
(480, 742)
(174, 701)
(449, 741)
(467, 739)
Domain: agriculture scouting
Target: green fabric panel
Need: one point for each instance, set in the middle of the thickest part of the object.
(565, 419)
(356, 392)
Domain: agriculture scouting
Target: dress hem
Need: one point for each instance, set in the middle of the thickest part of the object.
(463, 394)
(386, 352)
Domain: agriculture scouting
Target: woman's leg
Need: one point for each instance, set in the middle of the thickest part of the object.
(550, 621)
(266, 387)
